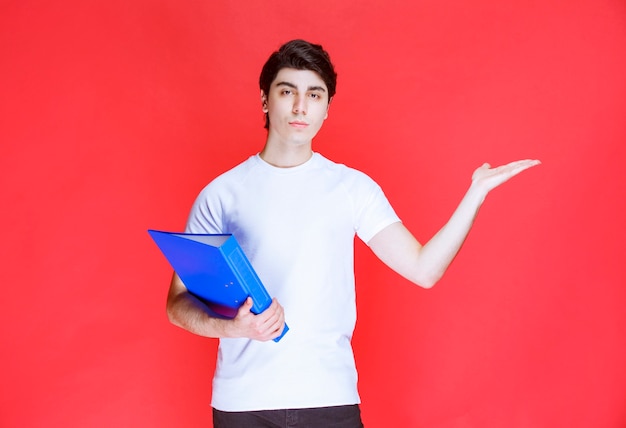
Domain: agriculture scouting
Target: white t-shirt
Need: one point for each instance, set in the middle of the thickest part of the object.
(297, 226)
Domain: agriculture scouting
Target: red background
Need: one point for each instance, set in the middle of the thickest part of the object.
(114, 114)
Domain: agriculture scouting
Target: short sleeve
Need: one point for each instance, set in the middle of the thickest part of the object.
(373, 212)
(206, 213)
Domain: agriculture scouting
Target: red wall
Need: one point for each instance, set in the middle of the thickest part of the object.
(114, 114)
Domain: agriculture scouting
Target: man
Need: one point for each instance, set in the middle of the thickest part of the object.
(296, 213)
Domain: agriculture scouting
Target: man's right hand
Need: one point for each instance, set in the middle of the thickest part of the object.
(265, 326)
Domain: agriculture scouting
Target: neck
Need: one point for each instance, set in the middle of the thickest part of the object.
(285, 155)
(285, 160)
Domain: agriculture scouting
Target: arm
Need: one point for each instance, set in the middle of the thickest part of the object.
(425, 265)
(186, 311)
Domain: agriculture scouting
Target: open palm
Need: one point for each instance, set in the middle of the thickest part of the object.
(488, 178)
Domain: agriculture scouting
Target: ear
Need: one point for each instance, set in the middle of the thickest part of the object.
(263, 101)
(328, 108)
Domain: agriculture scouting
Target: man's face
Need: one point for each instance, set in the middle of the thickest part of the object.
(297, 105)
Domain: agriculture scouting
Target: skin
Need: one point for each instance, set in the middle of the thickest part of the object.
(297, 105)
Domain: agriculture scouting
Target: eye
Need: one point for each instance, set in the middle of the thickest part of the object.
(286, 92)
(315, 96)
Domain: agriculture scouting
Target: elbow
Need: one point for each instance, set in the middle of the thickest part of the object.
(427, 281)
(171, 312)
(175, 319)
(427, 284)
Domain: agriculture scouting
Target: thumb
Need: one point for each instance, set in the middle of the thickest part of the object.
(478, 172)
(247, 305)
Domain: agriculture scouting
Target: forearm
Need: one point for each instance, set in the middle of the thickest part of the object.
(186, 311)
(434, 258)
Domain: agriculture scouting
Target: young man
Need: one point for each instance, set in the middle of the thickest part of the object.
(296, 213)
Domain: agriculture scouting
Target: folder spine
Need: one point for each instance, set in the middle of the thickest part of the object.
(249, 280)
(246, 275)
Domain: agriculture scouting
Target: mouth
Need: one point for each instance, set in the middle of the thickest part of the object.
(298, 124)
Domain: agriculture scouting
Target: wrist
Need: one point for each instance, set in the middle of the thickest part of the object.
(477, 193)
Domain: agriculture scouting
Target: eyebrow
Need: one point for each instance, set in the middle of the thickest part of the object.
(310, 88)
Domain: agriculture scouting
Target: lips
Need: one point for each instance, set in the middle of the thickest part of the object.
(298, 124)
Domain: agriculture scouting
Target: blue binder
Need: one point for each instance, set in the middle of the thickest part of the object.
(215, 269)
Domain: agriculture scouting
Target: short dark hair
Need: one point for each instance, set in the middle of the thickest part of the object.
(301, 55)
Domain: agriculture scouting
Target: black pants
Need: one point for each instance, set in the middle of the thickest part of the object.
(318, 417)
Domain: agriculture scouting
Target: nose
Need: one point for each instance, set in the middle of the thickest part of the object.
(299, 105)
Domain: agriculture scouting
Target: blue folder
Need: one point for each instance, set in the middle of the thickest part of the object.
(215, 269)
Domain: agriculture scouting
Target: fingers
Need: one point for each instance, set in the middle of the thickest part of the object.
(275, 330)
(264, 326)
(487, 178)
(526, 163)
(273, 325)
(515, 168)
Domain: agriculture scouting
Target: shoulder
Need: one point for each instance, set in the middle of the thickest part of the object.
(346, 173)
(210, 206)
(238, 172)
(234, 177)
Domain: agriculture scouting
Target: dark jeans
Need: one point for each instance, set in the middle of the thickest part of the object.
(318, 417)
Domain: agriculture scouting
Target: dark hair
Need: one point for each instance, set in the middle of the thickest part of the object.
(301, 55)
